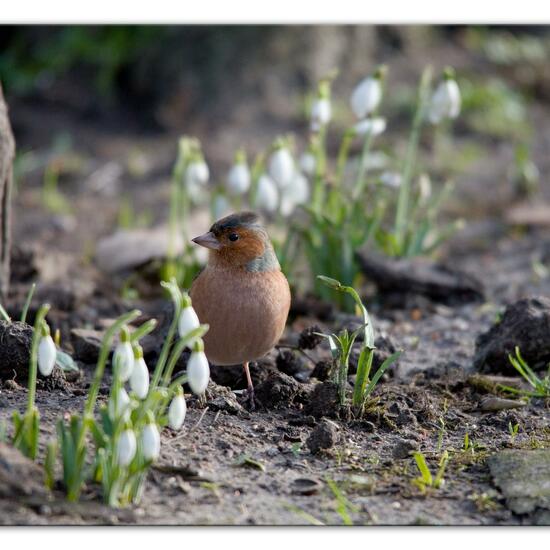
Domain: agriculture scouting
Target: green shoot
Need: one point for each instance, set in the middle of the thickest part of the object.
(27, 303)
(343, 506)
(541, 386)
(426, 478)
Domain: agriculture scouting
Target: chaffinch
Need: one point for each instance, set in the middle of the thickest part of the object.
(242, 293)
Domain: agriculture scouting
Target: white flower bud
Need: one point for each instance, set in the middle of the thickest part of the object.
(46, 355)
(366, 97)
(445, 102)
(374, 126)
(267, 196)
(177, 411)
(198, 372)
(139, 379)
(150, 442)
(281, 167)
(238, 179)
(321, 113)
(197, 173)
(123, 360)
(187, 322)
(391, 179)
(308, 163)
(122, 406)
(295, 194)
(126, 447)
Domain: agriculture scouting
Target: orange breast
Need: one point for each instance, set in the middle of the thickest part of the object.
(246, 312)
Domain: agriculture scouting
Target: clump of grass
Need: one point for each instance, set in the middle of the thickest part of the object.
(341, 345)
(426, 479)
(541, 386)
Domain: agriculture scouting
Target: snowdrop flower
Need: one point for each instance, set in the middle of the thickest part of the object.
(177, 410)
(220, 208)
(123, 358)
(308, 163)
(139, 379)
(188, 320)
(295, 194)
(122, 405)
(47, 352)
(321, 113)
(424, 188)
(321, 110)
(150, 441)
(391, 179)
(126, 447)
(196, 178)
(445, 102)
(267, 196)
(238, 178)
(367, 95)
(374, 126)
(281, 165)
(198, 370)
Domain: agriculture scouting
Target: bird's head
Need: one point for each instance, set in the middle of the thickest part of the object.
(239, 240)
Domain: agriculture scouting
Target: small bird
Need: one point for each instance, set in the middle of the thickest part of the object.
(242, 293)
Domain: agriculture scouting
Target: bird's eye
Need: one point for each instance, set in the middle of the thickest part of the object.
(233, 237)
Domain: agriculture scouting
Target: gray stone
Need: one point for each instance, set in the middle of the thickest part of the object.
(324, 436)
(523, 477)
(403, 448)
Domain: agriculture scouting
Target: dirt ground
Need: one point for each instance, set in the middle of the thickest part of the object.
(275, 465)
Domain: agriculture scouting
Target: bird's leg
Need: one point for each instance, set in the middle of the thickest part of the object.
(250, 386)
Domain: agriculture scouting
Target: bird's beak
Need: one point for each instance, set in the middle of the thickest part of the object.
(208, 240)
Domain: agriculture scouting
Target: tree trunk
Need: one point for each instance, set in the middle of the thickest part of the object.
(7, 155)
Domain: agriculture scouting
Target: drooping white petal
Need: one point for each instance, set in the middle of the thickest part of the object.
(238, 179)
(374, 126)
(198, 372)
(122, 406)
(187, 322)
(126, 447)
(366, 97)
(220, 208)
(176, 412)
(123, 360)
(139, 379)
(281, 167)
(391, 179)
(197, 172)
(445, 101)
(321, 113)
(295, 194)
(267, 196)
(150, 442)
(308, 163)
(46, 355)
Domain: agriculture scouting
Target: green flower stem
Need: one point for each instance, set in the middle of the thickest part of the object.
(320, 171)
(401, 214)
(27, 303)
(100, 368)
(143, 330)
(360, 180)
(33, 367)
(343, 154)
(4, 314)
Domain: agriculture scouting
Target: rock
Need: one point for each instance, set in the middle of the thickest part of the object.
(324, 400)
(421, 276)
(526, 324)
(492, 404)
(15, 350)
(305, 486)
(289, 363)
(19, 476)
(221, 398)
(529, 213)
(309, 337)
(523, 478)
(403, 448)
(278, 389)
(86, 344)
(322, 370)
(324, 436)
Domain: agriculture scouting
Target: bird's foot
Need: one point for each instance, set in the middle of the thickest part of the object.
(251, 398)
